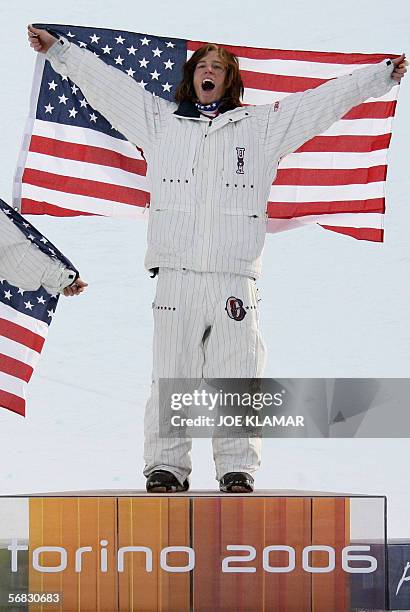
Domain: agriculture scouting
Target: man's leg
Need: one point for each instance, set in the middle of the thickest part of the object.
(177, 353)
(234, 350)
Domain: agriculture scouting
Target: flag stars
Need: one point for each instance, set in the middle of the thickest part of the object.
(64, 78)
(143, 63)
(30, 237)
(168, 64)
(166, 86)
(120, 40)
(49, 108)
(142, 84)
(107, 49)
(157, 52)
(7, 295)
(63, 99)
(50, 313)
(170, 45)
(20, 291)
(28, 305)
(145, 41)
(131, 50)
(70, 35)
(52, 85)
(119, 60)
(93, 117)
(130, 72)
(41, 300)
(83, 103)
(72, 113)
(44, 240)
(95, 38)
(155, 75)
(82, 44)
(74, 89)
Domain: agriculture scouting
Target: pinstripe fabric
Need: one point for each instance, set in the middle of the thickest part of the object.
(305, 114)
(207, 223)
(206, 214)
(188, 303)
(22, 264)
(131, 110)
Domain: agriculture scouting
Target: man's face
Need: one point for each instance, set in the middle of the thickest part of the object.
(209, 73)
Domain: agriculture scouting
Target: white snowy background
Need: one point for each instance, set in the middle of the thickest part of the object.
(331, 306)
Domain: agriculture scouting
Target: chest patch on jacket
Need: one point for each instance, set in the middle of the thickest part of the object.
(240, 160)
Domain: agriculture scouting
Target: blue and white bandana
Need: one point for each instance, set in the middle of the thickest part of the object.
(210, 110)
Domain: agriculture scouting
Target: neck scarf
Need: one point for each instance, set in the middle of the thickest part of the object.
(208, 109)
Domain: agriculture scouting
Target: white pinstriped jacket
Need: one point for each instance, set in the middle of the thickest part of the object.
(22, 264)
(210, 179)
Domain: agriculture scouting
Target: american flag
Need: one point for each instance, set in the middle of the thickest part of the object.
(73, 162)
(25, 317)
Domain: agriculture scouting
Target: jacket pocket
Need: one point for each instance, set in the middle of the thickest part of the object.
(242, 233)
(170, 229)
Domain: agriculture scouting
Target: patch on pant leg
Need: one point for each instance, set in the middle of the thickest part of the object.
(234, 308)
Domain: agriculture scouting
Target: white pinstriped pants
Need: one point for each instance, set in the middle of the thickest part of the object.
(186, 304)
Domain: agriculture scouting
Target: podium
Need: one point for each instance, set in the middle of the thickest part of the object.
(129, 551)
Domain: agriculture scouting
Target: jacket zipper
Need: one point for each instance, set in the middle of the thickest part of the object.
(196, 157)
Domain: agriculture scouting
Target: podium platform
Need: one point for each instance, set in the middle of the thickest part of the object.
(202, 551)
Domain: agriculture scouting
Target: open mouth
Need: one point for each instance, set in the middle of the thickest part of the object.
(207, 85)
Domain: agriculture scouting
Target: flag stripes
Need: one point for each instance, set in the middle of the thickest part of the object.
(25, 315)
(11, 401)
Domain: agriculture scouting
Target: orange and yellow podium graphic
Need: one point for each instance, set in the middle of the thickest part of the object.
(119, 551)
(205, 553)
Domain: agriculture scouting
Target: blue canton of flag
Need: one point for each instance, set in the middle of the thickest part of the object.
(155, 63)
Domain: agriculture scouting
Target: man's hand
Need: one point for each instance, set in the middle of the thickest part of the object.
(75, 288)
(40, 40)
(400, 69)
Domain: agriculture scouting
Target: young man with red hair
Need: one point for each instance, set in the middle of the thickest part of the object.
(211, 163)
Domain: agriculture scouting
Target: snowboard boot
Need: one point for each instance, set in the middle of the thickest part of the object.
(162, 481)
(236, 482)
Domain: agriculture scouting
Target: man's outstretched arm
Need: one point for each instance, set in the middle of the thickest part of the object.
(22, 264)
(306, 114)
